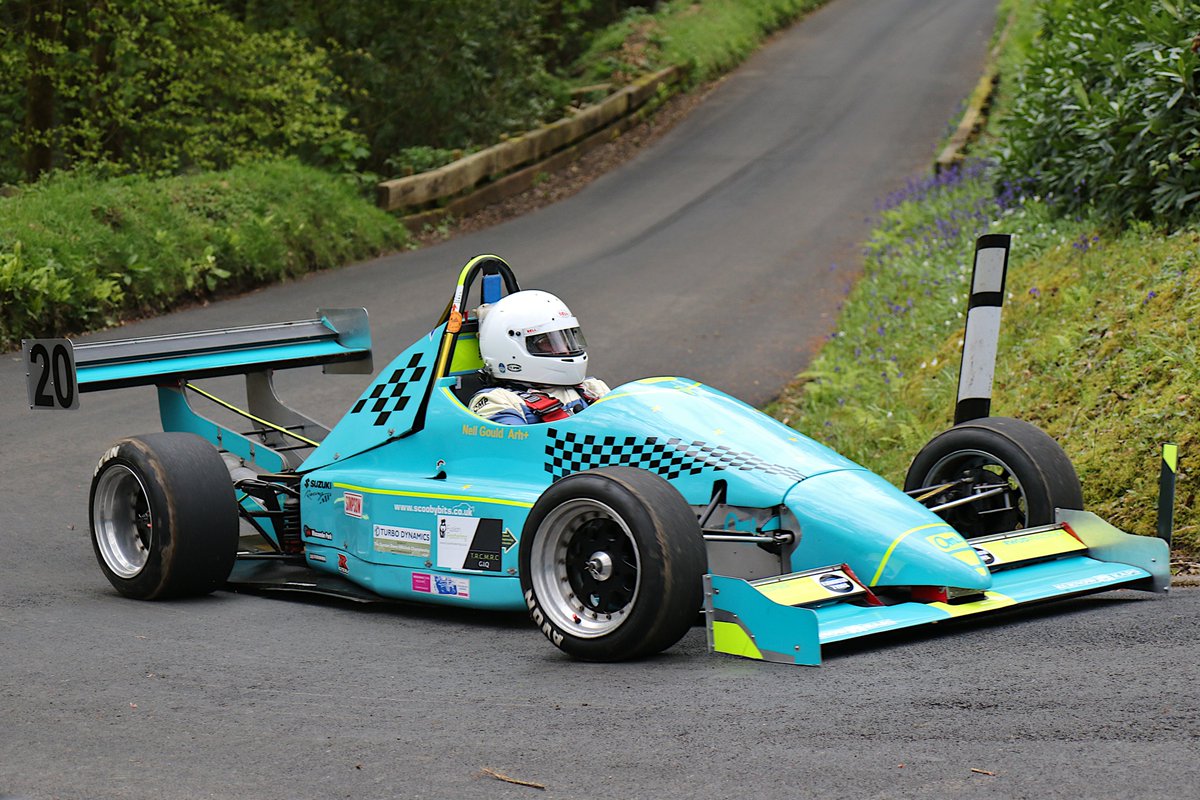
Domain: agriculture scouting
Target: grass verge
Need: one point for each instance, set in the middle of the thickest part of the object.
(1097, 345)
(79, 252)
(707, 38)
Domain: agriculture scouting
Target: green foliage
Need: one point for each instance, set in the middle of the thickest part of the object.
(79, 252)
(160, 86)
(1105, 111)
(444, 74)
(1097, 345)
(707, 38)
(411, 160)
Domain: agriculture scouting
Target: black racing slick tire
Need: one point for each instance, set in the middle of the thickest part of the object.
(612, 563)
(163, 516)
(996, 453)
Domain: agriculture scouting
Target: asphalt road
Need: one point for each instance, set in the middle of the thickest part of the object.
(711, 255)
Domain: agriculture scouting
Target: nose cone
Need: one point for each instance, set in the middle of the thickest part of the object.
(857, 518)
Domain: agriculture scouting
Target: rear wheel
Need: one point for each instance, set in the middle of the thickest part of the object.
(163, 516)
(612, 562)
(1027, 470)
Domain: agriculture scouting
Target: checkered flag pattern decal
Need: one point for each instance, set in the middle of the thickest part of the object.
(393, 394)
(568, 452)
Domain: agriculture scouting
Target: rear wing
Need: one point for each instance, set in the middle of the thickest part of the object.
(58, 370)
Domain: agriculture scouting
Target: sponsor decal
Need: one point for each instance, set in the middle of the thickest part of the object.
(501, 367)
(316, 557)
(320, 492)
(507, 540)
(343, 564)
(863, 627)
(1096, 580)
(354, 504)
(478, 403)
(402, 541)
(836, 582)
(948, 541)
(460, 510)
(511, 367)
(985, 556)
(452, 586)
(447, 585)
(313, 533)
(502, 432)
(469, 543)
(318, 497)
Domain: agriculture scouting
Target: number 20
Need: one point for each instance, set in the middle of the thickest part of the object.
(55, 367)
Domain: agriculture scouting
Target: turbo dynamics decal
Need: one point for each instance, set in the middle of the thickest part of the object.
(402, 541)
(469, 543)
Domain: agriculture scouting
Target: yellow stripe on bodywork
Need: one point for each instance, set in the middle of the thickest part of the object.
(1036, 545)
(433, 496)
(990, 602)
(731, 638)
(895, 542)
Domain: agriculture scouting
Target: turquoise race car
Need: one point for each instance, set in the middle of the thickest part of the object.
(612, 528)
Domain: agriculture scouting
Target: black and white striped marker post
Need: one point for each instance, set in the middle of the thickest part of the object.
(983, 327)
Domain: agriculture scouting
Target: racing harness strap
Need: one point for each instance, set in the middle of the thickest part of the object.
(551, 409)
(545, 406)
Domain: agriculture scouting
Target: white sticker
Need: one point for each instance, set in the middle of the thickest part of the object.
(403, 541)
(454, 540)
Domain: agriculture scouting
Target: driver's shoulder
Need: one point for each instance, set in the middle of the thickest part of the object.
(496, 398)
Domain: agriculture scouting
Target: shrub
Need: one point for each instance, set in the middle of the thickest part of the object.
(159, 86)
(79, 252)
(1106, 110)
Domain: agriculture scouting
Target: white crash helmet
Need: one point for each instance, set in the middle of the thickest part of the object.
(532, 337)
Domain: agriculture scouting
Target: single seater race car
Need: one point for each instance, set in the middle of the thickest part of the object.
(613, 528)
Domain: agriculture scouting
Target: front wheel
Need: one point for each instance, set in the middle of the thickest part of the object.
(612, 562)
(1025, 473)
(164, 516)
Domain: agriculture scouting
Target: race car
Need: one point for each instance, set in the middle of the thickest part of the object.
(613, 528)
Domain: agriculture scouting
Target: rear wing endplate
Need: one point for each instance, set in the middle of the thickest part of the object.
(58, 370)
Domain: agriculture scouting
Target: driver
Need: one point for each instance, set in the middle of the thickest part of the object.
(535, 358)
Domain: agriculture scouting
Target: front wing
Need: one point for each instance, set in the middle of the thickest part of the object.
(789, 618)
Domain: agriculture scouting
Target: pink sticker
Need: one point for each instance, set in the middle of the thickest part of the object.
(421, 582)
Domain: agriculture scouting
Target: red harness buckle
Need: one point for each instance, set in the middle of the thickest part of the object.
(546, 407)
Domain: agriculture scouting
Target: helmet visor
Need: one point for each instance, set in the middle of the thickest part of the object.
(565, 342)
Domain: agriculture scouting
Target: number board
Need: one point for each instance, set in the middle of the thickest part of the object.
(50, 374)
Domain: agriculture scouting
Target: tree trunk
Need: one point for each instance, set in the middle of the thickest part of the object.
(45, 28)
